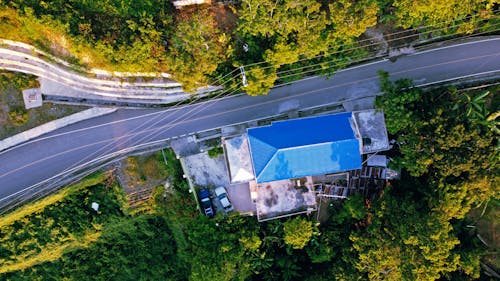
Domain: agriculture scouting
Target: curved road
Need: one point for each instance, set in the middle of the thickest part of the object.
(27, 165)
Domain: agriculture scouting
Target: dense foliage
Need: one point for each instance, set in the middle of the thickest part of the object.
(451, 157)
(18, 115)
(124, 35)
(449, 139)
(414, 13)
(446, 148)
(44, 234)
(201, 43)
(414, 230)
(295, 31)
(138, 248)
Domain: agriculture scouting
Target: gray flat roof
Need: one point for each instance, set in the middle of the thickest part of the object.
(371, 124)
(283, 198)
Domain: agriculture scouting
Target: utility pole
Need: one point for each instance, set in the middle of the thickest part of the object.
(243, 76)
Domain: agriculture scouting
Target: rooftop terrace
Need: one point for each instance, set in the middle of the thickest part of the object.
(283, 198)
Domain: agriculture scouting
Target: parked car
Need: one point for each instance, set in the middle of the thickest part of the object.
(206, 204)
(221, 194)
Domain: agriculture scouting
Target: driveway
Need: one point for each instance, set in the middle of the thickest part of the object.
(206, 171)
(56, 154)
(239, 194)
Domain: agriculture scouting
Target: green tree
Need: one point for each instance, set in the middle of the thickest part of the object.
(197, 48)
(352, 209)
(405, 241)
(398, 103)
(260, 80)
(298, 232)
(418, 13)
(350, 18)
(215, 152)
(289, 31)
(216, 248)
(432, 138)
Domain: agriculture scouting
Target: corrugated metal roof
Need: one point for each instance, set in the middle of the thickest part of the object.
(303, 147)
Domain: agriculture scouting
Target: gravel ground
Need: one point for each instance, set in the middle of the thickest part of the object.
(205, 171)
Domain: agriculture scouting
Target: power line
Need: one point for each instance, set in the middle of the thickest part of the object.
(367, 45)
(388, 34)
(362, 58)
(308, 92)
(324, 54)
(151, 135)
(155, 132)
(150, 123)
(398, 46)
(279, 77)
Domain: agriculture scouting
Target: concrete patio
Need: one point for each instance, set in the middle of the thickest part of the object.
(283, 198)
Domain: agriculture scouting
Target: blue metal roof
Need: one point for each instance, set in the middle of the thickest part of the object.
(304, 147)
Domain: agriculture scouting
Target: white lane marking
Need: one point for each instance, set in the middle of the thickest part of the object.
(235, 96)
(456, 45)
(133, 147)
(460, 77)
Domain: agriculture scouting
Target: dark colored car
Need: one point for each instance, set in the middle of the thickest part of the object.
(206, 204)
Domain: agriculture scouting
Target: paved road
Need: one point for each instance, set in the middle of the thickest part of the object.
(27, 165)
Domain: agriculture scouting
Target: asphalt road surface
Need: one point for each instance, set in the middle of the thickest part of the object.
(49, 156)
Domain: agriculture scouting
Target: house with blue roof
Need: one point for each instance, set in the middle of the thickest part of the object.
(283, 163)
(305, 147)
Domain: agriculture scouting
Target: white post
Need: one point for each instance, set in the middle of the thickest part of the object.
(243, 76)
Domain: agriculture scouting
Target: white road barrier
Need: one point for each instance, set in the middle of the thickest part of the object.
(53, 125)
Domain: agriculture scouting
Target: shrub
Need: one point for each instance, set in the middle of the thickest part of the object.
(19, 116)
(215, 152)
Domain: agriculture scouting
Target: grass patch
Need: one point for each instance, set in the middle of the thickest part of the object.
(51, 252)
(152, 169)
(145, 169)
(140, 175)
(18, 116)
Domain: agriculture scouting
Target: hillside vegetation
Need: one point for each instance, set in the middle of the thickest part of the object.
(419, 228)
(200, 44)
